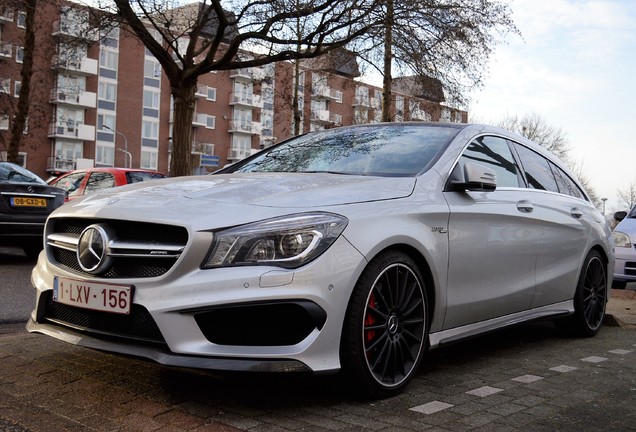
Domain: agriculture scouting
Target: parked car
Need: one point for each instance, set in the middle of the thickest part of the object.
(354, 249)
(625, 248)
(87, 181)
(25, 203)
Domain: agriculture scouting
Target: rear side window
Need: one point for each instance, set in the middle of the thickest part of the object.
(537, 170)
(98, 181)
(494, 153)
(565, 183)
(70, 183)
(137, 176)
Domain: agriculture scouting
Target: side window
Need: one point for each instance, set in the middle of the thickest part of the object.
(495, 154)
(98, 181)
(71, 183)
(537, 170)
(565, 183)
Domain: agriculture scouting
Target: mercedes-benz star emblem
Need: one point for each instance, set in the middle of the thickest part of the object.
(92, 249)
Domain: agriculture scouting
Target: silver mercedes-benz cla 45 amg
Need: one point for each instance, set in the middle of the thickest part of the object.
(355, 249)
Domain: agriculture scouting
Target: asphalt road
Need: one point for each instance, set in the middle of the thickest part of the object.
(17, 295)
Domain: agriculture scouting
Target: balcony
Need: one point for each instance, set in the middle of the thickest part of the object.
(6, 50)
(85, 66)
(202, 91)
(243, 126)
(74, 97)
(6, 14)
(322, 92)
(203, 120)
(54, 164)
(203, 148)
(72, 130)
(247, 100)
(66, 28)
(248, 74)
(362, 101)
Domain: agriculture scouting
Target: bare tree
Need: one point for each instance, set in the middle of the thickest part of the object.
(213, 35)
(535, 128)
(449, 41)
(21, 113)
(628, 195)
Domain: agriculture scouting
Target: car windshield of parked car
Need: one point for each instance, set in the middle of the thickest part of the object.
(15, 173)
(389, 150)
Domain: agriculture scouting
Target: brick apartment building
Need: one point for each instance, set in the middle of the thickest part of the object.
(104, 101)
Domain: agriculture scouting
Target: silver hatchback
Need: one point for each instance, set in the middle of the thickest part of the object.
(354, 249)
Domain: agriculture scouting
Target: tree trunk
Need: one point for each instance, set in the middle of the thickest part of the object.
(296, 99)
(184, 103)
(387, 114)
(22, 111)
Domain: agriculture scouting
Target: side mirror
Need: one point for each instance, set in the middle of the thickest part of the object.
(620, 215)
(475, 177)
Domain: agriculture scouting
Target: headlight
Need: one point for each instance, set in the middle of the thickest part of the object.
(621, 239)
(288, 241)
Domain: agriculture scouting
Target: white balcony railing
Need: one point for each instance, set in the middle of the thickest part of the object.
(72, 130)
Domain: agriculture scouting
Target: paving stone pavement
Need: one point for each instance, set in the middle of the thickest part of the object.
(529, 378)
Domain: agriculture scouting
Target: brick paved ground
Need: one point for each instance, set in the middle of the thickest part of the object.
(528, 379)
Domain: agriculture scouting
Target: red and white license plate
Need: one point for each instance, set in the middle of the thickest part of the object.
(92, 295)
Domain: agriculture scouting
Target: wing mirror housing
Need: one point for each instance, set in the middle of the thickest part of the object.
(473, 177)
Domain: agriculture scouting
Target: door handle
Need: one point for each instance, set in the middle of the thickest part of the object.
(576, 213)
(525, 206)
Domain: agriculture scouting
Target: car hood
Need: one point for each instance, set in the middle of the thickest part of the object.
(237, 198)
(628, 226)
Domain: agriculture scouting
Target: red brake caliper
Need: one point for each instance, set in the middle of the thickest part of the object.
(369, 319)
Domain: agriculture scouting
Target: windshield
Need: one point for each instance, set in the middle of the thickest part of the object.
(15, 173)
(382, 150)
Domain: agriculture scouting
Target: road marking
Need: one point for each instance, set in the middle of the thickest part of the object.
(527, 378)
(563, 368)
(484, 391)
(594, 359)
(431, 407)
(621, 351)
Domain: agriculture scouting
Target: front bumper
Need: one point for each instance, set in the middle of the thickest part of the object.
(625, 264)
(240, 318)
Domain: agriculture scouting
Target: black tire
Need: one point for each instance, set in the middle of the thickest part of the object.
(386, 326)
(590, 298)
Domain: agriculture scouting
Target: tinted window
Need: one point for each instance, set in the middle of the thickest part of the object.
(394, 150)
(537, 170)
(495, 154)
(139, 176)
(98, 181)
(70, 183)
(565, 183)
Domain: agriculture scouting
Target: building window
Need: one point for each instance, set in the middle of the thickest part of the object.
(152, 68)
(16, 88)
(151, 99)
(150, 129)
(148, 159)
(105, 154)
(338, 96)
(106, 122)
(210, 122)
(19, 54)
(108, 59)
(5, 86)
(4, 122)
(107, 91)
(21, 19)
(211, 94)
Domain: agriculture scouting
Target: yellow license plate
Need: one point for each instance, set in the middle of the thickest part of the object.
(28, 202)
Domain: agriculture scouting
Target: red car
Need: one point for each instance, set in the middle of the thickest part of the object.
(87, 181)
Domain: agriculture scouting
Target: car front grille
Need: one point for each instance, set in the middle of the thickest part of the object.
(630, 268)
(138, 325)
(141, 250)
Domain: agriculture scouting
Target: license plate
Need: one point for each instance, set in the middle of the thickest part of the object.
(28, 202)
(92, 295)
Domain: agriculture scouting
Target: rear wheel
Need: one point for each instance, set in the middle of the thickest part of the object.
(590, 298)
(385, 330)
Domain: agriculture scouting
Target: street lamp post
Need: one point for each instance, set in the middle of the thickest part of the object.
(603, 199)
(127, 155)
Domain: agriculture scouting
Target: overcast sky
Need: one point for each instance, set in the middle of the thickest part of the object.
(576, 68)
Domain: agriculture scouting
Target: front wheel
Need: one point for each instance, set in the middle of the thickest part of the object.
(590, 298)
(385, 329)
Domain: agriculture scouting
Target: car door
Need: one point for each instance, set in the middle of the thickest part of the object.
(566, 226)
(493, 238)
